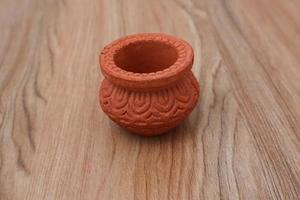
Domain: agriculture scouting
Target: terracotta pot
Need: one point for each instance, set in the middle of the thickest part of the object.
(148, 87)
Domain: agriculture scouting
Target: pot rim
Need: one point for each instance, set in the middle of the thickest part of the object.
(156, 79)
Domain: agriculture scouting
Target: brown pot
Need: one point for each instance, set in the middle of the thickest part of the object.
(149, 87)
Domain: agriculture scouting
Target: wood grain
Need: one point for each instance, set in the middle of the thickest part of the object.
(241, 142)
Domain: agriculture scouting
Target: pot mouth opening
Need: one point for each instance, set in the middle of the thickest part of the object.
(146, 60)
(145, 56)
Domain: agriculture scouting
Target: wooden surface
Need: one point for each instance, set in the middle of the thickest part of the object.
(241, 142)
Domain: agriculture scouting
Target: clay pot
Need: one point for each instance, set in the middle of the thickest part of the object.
(148, 87)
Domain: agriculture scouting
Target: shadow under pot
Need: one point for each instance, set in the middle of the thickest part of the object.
(149, 87)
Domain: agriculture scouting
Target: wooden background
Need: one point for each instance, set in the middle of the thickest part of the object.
(241, 142)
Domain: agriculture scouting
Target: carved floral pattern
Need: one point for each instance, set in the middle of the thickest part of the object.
(150, 108)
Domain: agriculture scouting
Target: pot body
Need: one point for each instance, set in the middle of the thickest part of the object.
(150, 112)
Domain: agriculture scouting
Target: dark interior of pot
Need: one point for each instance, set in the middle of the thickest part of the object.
(146, 56)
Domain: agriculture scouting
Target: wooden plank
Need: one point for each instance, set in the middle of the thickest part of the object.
(242, 141)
